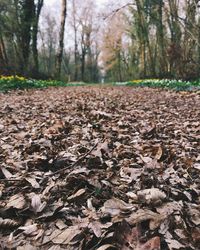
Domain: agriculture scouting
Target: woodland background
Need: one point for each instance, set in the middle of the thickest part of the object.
(83, 42)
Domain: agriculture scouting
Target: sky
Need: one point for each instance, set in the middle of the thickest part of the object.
(99, 2)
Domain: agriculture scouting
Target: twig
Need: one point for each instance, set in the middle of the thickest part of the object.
(76, 162)
(9, 180)
(117, 10)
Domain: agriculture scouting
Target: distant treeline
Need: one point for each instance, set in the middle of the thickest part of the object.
(142, 39)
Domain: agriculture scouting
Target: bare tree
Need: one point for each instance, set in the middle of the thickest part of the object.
(37, 10)
(61, 38)
(75, 26)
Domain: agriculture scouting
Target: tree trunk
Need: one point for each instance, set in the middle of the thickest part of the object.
(162, 67)
(3, 55)
(38, 8)
(75, 41)
(59, 55)
(25, 33)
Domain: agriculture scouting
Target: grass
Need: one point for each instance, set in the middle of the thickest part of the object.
(178, 85)
(16, 82)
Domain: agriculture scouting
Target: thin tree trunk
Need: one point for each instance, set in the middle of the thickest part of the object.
(75, 41)
(162, 67)
(3, 54)
(75, 56)
(38, 8)
(59, 55)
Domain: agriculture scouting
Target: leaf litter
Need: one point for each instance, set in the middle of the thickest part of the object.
(99, 168)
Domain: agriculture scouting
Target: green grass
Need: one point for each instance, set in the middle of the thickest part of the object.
(16, 82)
(11, 83)
(178, 85)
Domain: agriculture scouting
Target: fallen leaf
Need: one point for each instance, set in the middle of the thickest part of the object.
(78, 194)
(105, 247)
(30, 230)
(152, 244)
(115, 206)
(33, 182)
(8, 224)
(37, 205)
(65, 236)
(6, 173)
(151, 196)
(145, 215)
(16, 201)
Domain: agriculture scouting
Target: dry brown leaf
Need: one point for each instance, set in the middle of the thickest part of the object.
(196, 235)
(159, 153)
(6, 173)
(115, 206)
(55, 248)
(132, 196)
(30, 230)
(60, 224)
(27, 247)
(8, 224)
(37, 205)
(197, 166)
(65, 236)
(151, 196)
(152, 244)
(105, 247)
(194, 212)
(16, 201)
(78, 194)
(145, 215)
(33, 182)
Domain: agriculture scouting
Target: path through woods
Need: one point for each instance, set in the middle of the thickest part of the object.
(99, 168)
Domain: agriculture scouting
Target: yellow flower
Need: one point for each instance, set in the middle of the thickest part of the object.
(8, 78)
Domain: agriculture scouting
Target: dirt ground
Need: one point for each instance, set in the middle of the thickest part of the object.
(99, 168)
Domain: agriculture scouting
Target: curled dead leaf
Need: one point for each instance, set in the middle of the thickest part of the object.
(37, 205)
(78, 194)
(16, 201)
(115, 206)
(33, 182)
(152, 244)
(145, 215)
(65, 236)
(6, 173)
(30, 230)
(8, 224)
(105, 247)
(151, 196)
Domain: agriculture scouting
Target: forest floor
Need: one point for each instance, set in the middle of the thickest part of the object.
(99, 168)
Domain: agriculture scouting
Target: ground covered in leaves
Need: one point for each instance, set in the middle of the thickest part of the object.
(99, 168)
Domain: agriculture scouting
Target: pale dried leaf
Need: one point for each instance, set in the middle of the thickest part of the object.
(37, 205)
(96, 228)
(27, 247)
(159, 153)
(66, 236)
(152, 244)
(6, 173)
(142, 215)
(114, 206)
(197, 166)
(132, 196)
(105, 247)
(151, 196)
(60, 224)
(8, 223)
(78, 194)
(30, 230)
(33, 182)
(16, 201)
